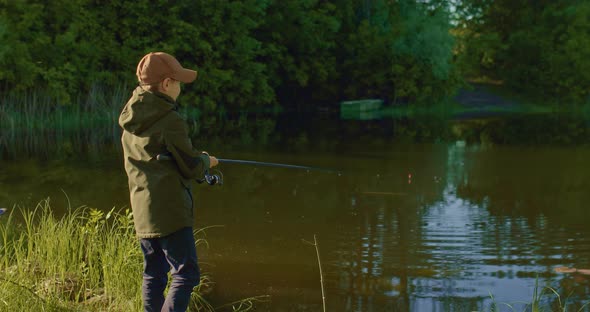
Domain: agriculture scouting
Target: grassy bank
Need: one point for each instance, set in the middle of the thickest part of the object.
(30, 119)
(36, 111)
(480, 100)
(98, 110)
(86, 260)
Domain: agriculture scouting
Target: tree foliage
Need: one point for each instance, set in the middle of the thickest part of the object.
(400, 50)
(250, 54)
(538, 47)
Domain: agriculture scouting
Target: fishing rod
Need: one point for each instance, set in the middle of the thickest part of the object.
(217, 178)
(268, 164)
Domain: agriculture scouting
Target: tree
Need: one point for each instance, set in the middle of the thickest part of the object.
(397, 50)
(538, 48)
(250, 54)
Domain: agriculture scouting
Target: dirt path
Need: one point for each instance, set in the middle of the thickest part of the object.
(480, 102)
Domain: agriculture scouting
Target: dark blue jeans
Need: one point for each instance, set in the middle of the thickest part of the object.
(176, 253)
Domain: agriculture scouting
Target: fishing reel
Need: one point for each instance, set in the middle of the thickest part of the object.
(212, 179)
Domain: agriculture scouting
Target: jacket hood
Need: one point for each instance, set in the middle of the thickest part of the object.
(143, 109)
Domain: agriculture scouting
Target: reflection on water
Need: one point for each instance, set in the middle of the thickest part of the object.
(450, 254)
(407, 226)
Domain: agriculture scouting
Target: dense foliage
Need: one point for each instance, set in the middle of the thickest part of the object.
(250, 54)
(258, 54)
(539, 48)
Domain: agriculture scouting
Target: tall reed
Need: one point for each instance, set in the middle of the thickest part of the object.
(37, 124)
(36, 111)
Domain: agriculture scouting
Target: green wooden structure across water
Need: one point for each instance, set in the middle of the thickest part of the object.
(361, 109)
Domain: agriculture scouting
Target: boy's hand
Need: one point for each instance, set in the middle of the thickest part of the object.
(213, 161)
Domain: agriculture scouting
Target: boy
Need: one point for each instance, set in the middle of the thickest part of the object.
(160, 191)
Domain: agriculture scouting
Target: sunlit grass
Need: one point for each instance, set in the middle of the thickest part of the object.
(86, 260)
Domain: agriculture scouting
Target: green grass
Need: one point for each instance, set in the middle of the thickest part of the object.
(86, 260)
(98, 110)
(35, 111)
(31, 119)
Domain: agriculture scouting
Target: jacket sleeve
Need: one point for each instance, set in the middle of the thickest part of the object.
(191, 162)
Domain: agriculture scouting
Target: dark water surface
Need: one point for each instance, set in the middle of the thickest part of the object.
(422, 216)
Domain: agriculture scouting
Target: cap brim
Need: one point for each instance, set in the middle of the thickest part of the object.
(186, 75)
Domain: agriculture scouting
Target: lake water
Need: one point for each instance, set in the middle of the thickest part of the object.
(417, 215)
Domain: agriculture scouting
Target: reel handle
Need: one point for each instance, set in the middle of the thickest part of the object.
(212, 179)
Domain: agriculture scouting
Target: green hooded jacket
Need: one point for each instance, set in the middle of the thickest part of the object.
(160, 190)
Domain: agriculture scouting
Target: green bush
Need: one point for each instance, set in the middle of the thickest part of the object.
(250, 54)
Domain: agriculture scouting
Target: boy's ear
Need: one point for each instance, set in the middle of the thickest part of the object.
(165, 83)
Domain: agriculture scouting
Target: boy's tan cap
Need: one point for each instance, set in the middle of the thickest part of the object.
(156, 66)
